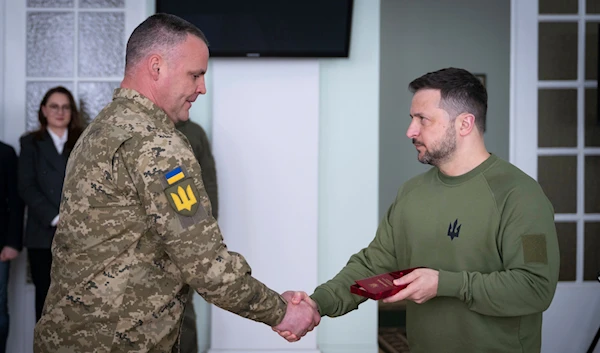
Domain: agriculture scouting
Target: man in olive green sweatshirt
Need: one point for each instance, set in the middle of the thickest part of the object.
(482, 229)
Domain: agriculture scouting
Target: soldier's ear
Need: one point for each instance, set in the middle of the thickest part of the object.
(153, 66)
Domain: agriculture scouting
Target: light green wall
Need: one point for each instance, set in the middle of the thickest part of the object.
(426, 35)
(348, 172)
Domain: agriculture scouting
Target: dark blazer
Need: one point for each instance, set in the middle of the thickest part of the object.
(41, 176)
(11, 206)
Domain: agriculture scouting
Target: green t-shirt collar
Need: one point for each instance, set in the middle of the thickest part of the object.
(455, 180)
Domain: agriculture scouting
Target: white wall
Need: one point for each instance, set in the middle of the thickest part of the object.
(265, 138)
(348, 172)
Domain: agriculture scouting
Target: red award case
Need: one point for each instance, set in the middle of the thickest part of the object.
(380, 286)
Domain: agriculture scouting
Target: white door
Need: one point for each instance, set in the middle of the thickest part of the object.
(43, 43)
(555, 138)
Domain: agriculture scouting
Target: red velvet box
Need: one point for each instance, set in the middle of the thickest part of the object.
(380, 286)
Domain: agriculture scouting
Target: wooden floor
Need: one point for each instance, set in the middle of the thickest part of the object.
(392, 331)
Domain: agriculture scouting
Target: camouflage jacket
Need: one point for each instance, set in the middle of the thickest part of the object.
(135, 229)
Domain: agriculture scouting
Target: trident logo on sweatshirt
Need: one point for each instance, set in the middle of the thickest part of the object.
(454, 230)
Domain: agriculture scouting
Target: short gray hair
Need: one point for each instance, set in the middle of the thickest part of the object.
(159, 32)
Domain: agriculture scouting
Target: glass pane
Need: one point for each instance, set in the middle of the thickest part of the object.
(557, 118)
(591, 51)
(592, 184)
(50, 44)
(93, 96)
(35, 93)
(567, 243)
(101, 3)
(557, 176)
(592, 6)
(50, 3)
(557, 51)
(101, 44)
(591, 251)
(558, 6)
(592, 118)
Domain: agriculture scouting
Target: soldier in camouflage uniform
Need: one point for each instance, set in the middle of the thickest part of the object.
(136, 228)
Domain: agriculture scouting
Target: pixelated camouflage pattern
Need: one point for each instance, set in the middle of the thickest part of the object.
(122, 257)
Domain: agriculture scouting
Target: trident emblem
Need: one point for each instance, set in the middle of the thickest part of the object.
(184, 200)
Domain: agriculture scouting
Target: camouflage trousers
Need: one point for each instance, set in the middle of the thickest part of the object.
(189, 335)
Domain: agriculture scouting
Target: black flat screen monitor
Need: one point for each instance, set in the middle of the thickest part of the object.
(269, 28)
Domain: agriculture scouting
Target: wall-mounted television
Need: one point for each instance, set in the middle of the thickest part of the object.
(269, 28)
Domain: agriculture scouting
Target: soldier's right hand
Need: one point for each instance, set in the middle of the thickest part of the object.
(299, 319)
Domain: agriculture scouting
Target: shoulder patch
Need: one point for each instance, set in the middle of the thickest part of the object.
(183, 196)
(534, 249)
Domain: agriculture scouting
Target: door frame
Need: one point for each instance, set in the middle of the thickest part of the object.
(569, 323)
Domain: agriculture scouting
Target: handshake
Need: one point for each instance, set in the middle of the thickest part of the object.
(414, 284)
(301, 316)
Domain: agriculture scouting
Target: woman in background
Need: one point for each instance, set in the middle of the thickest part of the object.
(42, 164)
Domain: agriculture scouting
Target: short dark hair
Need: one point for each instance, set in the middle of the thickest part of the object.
(461, 92)
(160, 31)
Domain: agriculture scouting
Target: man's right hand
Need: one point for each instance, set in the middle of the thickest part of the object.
(298, 300)
(301, 316)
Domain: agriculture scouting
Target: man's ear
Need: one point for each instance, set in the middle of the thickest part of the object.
(466, 123)
(154, 63)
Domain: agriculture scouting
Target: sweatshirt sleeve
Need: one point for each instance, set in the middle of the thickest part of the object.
(334, 297)
(209, 171)
(530, 254)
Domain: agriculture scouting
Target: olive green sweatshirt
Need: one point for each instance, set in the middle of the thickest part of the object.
(491, 235)
(203, 153)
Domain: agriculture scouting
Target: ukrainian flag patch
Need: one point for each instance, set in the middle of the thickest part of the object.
(174, 176)
(181, 192)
